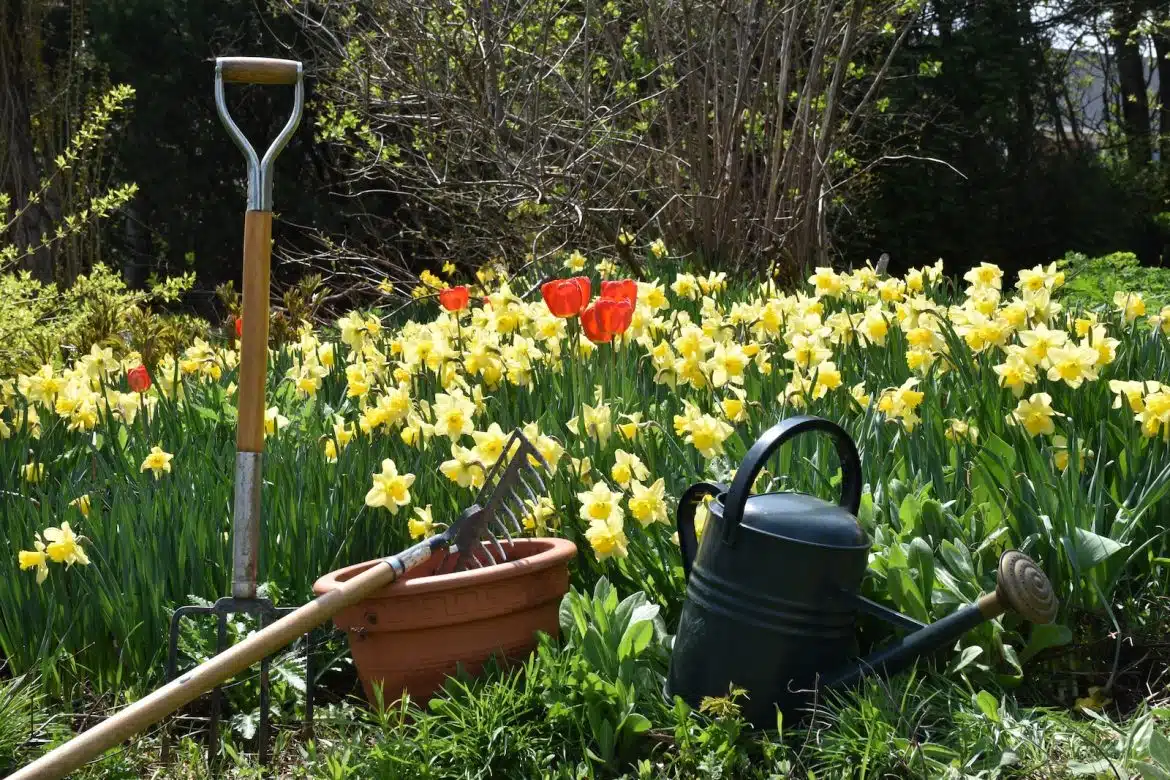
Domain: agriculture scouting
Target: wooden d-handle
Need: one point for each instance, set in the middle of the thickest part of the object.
(258, 70)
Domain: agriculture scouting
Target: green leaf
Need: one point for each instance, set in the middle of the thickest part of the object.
(636, 639)
(958, 561)
(565, 616)
(921, 557)
(636, 723)
(988, 705)
(968, 656)
(1044, 637)
(908, 513)
(905, 594)
(1150, 772)
(1160, 749)
(594, 650)
(1090, 549)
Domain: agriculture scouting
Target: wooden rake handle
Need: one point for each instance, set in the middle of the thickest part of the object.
(187, 687)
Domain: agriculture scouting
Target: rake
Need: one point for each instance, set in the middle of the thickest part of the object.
(472, 541)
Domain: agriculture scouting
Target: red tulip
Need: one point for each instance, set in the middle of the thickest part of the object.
(239, 327)
(138, 379)
(566, 297)
(455, 298)
(620, 290)
(605, 319)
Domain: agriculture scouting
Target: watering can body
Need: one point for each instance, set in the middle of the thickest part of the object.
(773, 590)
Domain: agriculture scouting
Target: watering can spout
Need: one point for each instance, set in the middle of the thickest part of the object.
(1020, 587)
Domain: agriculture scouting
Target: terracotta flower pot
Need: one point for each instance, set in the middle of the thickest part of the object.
(411, 635)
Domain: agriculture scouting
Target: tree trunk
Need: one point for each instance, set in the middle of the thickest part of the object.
(1161, 37)
(21, 176)
(1131, 77)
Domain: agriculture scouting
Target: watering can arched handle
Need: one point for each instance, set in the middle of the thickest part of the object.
(772, 440)
(688, 540)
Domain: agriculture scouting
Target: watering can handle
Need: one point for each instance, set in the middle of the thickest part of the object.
(771, 441)
(688, 540)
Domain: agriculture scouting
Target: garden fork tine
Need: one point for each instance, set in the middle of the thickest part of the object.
(252, 378)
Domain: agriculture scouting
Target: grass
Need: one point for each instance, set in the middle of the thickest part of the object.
(952, 476)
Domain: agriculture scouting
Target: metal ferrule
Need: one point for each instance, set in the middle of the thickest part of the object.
(410, 558)
(260, 169)
(246, 524)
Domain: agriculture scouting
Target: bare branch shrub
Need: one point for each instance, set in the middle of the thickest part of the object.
(478, 130)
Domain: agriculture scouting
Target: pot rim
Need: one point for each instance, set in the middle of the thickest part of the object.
(551, 551)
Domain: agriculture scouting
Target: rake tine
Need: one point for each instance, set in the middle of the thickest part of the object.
(517, 526)
(504, 529)
(487, 551)
(467, 560)
(536, 473)
(531, 494)
(499, 549)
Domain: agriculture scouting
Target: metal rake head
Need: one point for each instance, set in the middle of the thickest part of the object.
(498, 509)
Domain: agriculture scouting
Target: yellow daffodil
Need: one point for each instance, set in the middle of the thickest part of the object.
(648, 504)
(273, 420)
(33, 472)
(158, 462)
(1036, 415)
(540, 515)
(707, 434)
(453, 414)
(35, 559)
(64, 546)
(1072, 364)
(1131, 304)
(627, 468)
(489, 444)
(464, 468)
(961, 430)
(422, 524)
(82, 503)
(390, 489)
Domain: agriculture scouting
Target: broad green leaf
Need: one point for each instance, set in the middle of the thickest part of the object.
(1160, 749)
(1150, 772)
(1091, 549)
(1044, 637)
(905, 594)
(957, 560)
(908, 514)
(967, 657)
(921, 557)
(636, 723)
(636, 639)
(594, 650)
(566, 617)
(988, 705)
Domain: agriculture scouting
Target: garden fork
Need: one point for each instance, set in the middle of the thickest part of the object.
(253, 372)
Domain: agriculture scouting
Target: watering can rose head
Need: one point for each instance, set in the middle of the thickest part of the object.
(773, 589)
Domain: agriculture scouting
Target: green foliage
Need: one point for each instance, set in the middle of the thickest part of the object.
(1092, 281)
(44, 323)
(20, 711)
(621, 657)
(93, 132)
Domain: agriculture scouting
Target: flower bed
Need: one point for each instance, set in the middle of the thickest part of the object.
(987, 415)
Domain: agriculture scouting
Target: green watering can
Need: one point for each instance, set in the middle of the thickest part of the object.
(773, 591)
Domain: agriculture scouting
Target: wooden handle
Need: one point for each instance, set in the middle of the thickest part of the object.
(258, 70)
(254, 335)
(183, 689)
